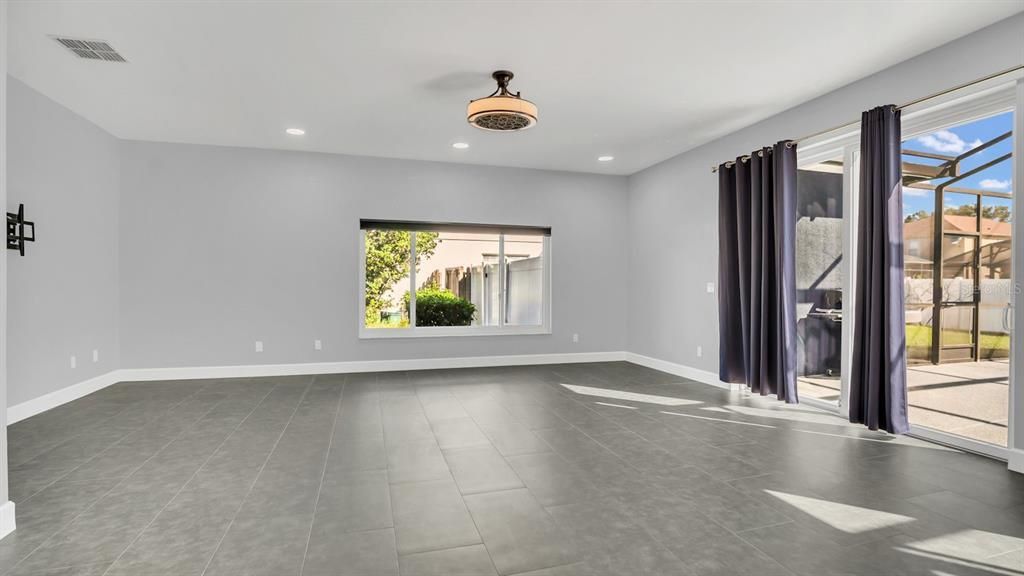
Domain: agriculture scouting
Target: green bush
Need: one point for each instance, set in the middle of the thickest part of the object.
(441, 308)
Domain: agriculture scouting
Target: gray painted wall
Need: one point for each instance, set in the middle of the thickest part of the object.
(673, 206)
(221, 247)
(3, 261)
(63, 295)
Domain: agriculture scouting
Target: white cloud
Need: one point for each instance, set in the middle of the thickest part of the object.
(947, 142)
(993, 184)
(916, 192)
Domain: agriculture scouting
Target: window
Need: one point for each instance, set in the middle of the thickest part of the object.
(429, 279)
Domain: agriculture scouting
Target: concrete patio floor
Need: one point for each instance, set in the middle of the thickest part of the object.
(968, 399)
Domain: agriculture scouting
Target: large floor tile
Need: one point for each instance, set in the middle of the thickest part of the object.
(357, 501)
(431, 516)
(518, 532)
(369, 553)
(551, 479)
(272, 546)
(459, 433)
(480, 469)
(416, 462)
(462, 561)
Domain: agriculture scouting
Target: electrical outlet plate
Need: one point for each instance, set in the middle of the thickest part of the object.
(318, 345)
(259, 346)
(95, 355)
(74, 362)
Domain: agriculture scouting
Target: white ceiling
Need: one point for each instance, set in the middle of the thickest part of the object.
(640, 81)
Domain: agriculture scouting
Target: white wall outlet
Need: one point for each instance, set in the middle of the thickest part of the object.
(74, 362)
(711, 288)
(700, 351)
(95, 355)
(259, 345)
(575, 338)
(318, 345)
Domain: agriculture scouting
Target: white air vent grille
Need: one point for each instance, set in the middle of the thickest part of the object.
(90, 49)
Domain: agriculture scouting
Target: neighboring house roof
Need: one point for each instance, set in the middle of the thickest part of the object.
(923, 228)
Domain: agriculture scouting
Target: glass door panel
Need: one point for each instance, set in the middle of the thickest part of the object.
(819, 279)
(958, 358)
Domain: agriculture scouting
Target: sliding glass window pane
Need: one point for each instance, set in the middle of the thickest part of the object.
(819, 279)
(388, 256)
(457, 279)
(958, 268)
(524, 280)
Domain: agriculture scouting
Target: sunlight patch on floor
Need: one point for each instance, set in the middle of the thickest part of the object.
(849, 519)
(952, 544)
(978, 567)
(793, 415)
(718, 419)
(630, 396)
(615, 405)
(884, 440)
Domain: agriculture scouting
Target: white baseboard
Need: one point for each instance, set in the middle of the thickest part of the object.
(58, 397)
(256, 370)
(688, 372)
(1015, 460)
(75, 391)
(7, 524)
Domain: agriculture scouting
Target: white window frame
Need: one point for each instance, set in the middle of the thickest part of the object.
(501, 329)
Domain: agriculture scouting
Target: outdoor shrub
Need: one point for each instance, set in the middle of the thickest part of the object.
(441, 308)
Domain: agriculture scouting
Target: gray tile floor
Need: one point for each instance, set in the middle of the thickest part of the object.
(545, 470)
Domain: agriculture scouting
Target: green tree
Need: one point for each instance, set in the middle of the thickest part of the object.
(1000, 213)
(962, 210)
(387, 262)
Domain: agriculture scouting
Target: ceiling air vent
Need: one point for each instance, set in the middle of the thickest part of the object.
(90, 49)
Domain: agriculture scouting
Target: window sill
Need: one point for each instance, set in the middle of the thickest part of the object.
(449, 332)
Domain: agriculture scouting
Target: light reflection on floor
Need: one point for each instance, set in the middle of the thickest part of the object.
(632, 396)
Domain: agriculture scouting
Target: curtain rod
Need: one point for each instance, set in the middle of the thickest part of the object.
(789, 143)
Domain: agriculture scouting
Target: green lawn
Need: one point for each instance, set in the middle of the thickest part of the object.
(920, 336)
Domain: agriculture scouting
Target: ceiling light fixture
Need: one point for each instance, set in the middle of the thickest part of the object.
(502, 111)
(605, 158)
(460, 145)
(295, 131)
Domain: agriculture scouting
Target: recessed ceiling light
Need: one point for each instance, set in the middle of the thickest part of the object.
(605, 158)
(460, 145)
(295, 131)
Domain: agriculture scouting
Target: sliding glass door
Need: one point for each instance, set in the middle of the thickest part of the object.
(958, 235)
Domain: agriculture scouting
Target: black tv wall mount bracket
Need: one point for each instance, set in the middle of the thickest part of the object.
(19, 231)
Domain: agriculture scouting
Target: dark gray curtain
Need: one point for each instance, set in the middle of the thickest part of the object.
(757, 271)
(878, 376)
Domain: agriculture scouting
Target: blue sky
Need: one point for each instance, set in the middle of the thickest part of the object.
(957, 140)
